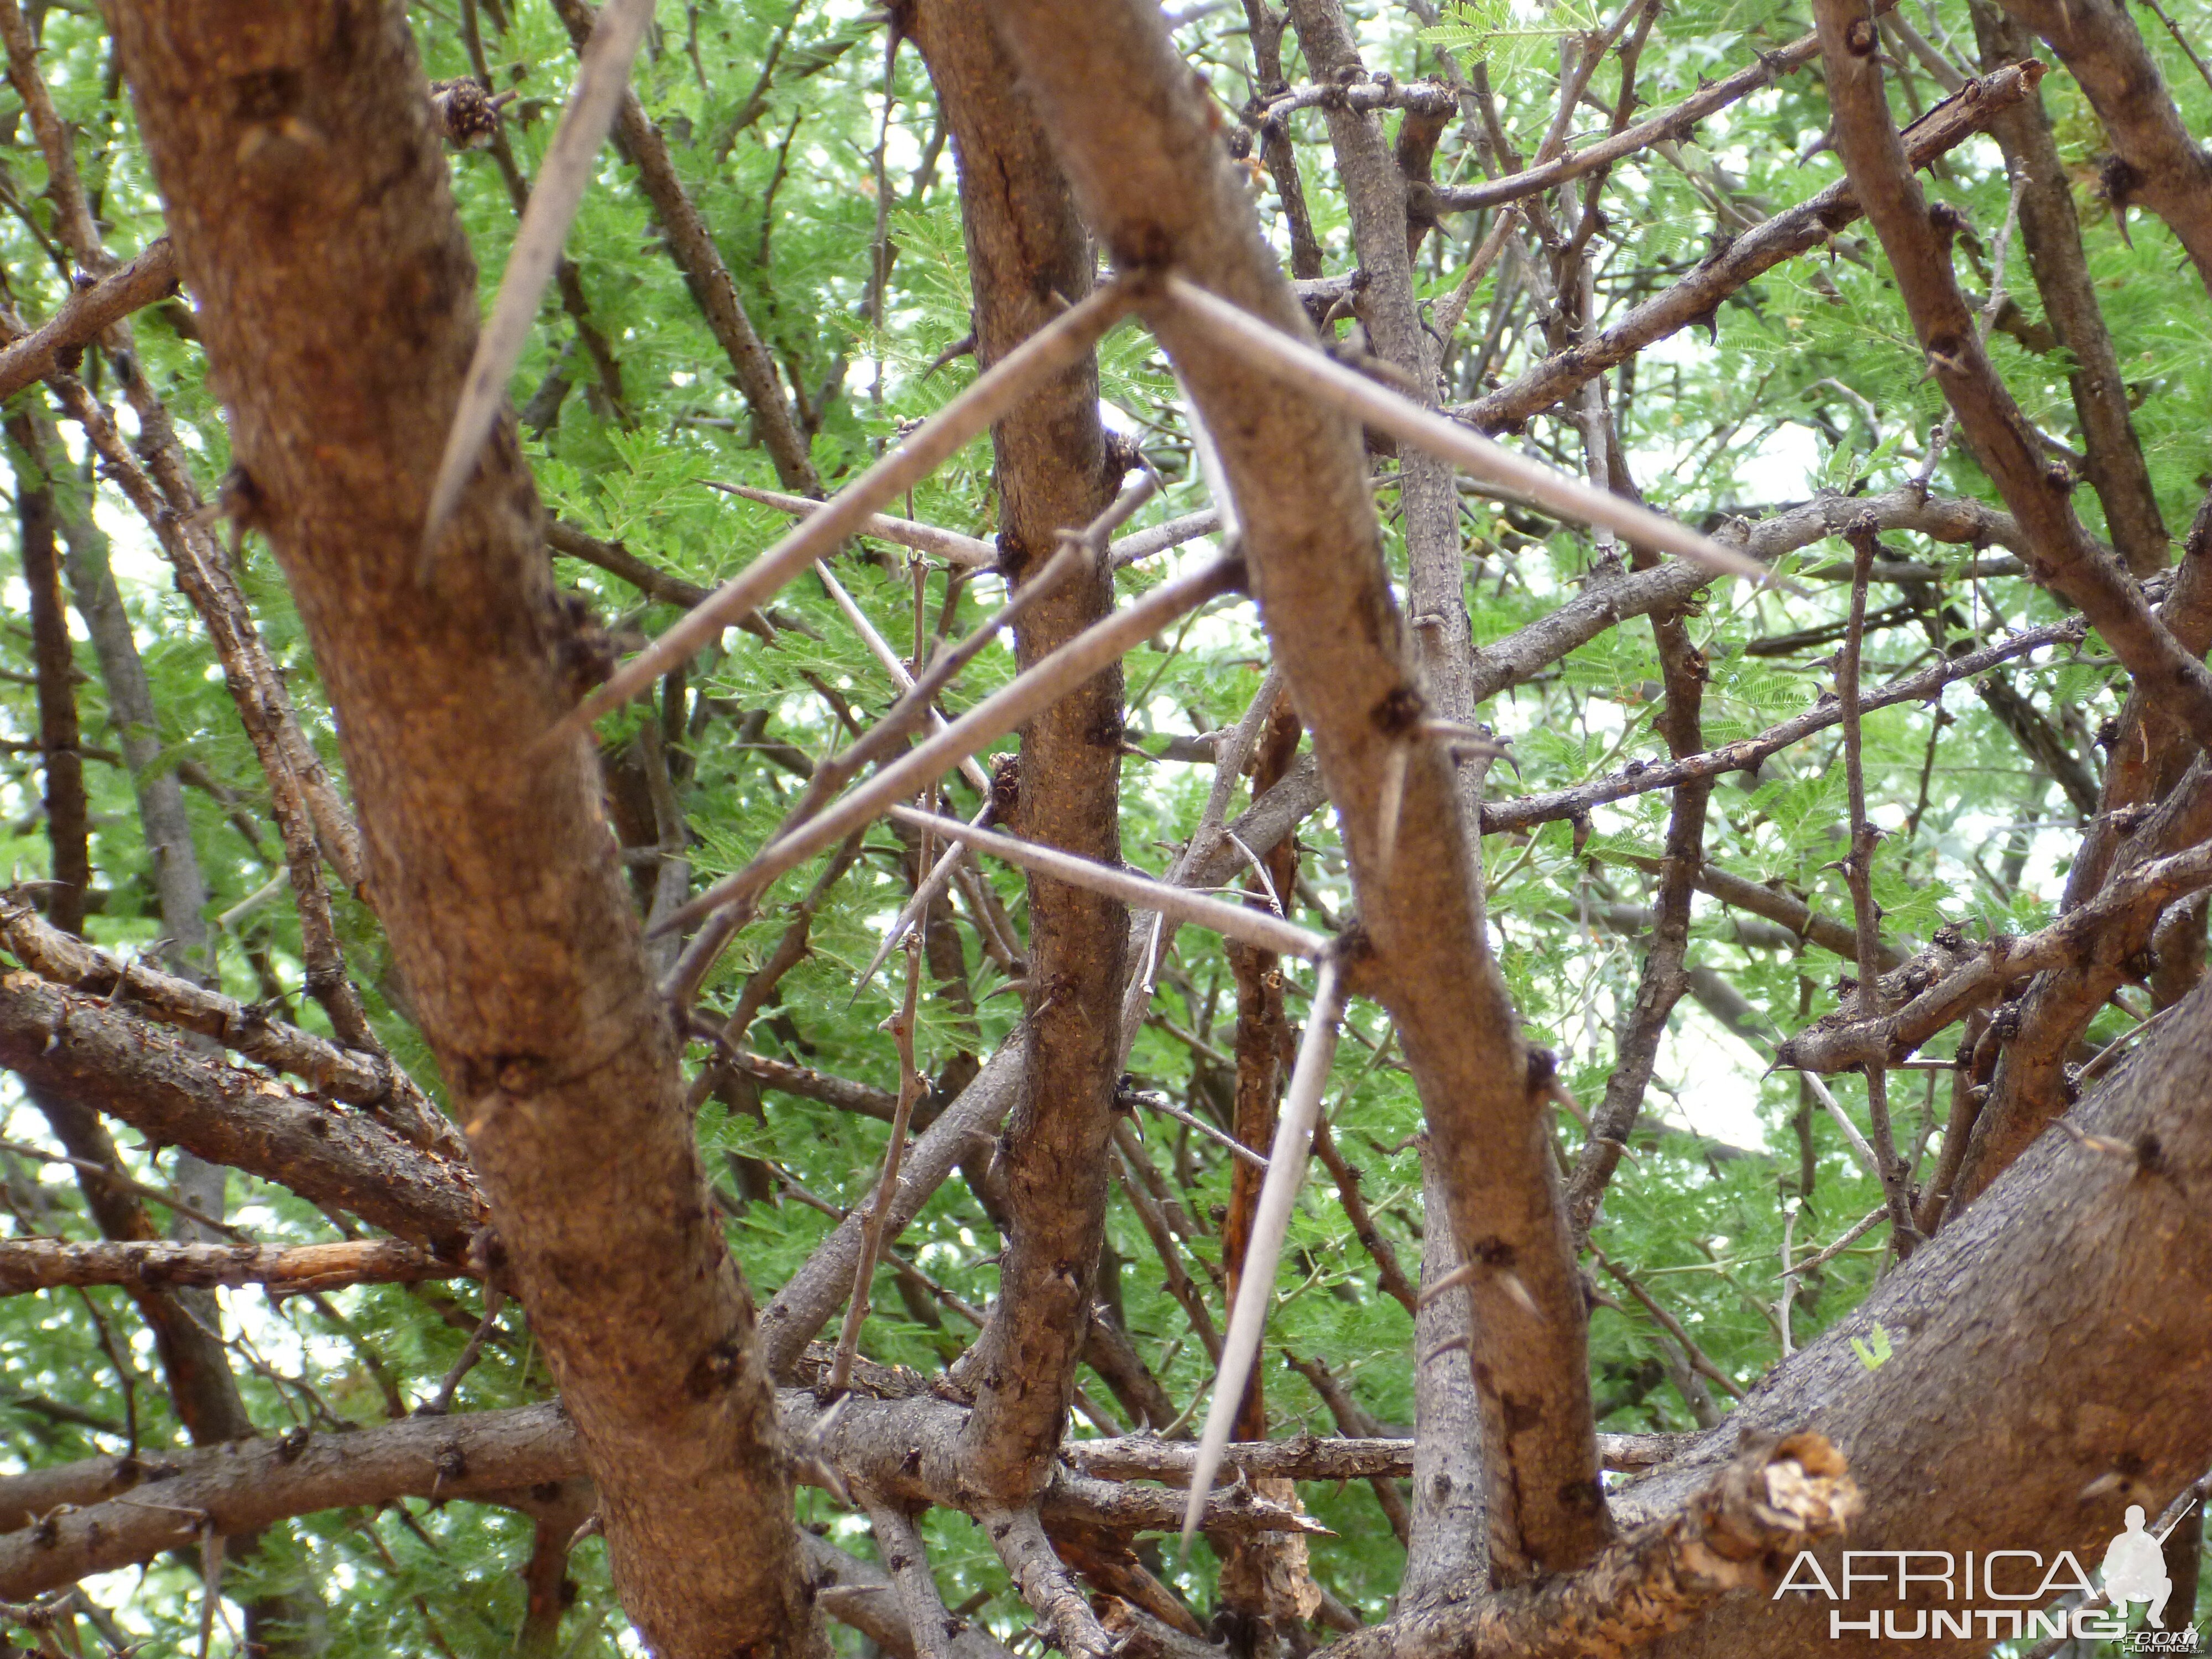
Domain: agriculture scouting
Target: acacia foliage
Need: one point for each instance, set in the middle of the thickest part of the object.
(853, 268)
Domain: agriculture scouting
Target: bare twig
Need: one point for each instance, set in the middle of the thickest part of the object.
(1858, 875)
(878, 1216)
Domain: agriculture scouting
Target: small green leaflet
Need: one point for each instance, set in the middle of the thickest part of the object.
(1472, 27)
(1875, 1354)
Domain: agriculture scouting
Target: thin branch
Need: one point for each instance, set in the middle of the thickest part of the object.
(1697, 298)
(2132, 899)
(1748, 754)
(879, 1208)
(1858, 875)
(2062, 557)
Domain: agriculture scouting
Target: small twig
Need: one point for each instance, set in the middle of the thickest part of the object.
(871, 1231)
(1858, 875)
(1858, 1231)
(442, 1402)
(115, 1177)
(1788, 1276)
(1697, 1357)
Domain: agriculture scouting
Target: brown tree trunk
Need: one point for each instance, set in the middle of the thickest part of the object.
(1028, 256)
(308, 200)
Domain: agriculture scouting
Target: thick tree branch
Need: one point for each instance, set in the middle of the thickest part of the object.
(2155, 159)
(370, 1080)
(1133, 134)
(88, 312)
(82, 1048)
(499, 887)
(2052, 234)
(41, 1264)
(2061, 555)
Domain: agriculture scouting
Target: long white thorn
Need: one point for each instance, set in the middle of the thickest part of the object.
(554, 195)
(1041, 684)
(947, 544)
(894, 664)
(1318, 375)
(1271, 1220)
(1053, 348)
(939, 877)
(1258, 928)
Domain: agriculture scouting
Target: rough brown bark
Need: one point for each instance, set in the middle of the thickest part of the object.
(2155, 159)
(303, 183)
(2061, 554)
(1136, 138)
(2051, 232)
(2048, 1366)
(1028, 255)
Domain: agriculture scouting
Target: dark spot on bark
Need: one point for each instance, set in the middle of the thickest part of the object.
(2119, 181)
(1144, 247)
(1543, 1071)
(716, 1369)
(1399, 711)
(1859, 37)
(546, 1491)
(1494, 1253)
(911, 1463)
(2150, 1153)
(452, 1463)
(293, 1443)
(1520, 1415)
(1001, 1528)
(1441, 1485)
(265, 94)
(1007, 787)
(1581, 1497)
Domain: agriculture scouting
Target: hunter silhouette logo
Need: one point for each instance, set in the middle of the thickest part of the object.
(2135, 1570)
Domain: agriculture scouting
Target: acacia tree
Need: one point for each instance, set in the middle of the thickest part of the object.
(1046, 382)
